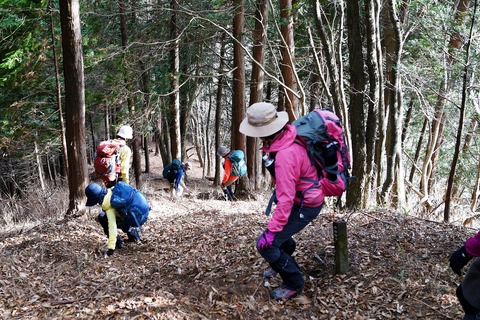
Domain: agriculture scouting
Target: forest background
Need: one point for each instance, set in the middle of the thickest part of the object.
(400, 74)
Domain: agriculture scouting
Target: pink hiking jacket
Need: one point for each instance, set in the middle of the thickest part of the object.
(291, 163)
(472, 245)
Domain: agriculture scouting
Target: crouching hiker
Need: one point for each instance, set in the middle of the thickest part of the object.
(123, 207)
(299, 198)
(234, 167)
(179, 186)
(174, 172)
(468, 292)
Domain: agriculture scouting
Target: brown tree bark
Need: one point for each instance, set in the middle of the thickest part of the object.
(417, 151)
(75, 103)
(146, 105)
(287, 50)
(59, 89)
(131, 106)
(174, 84)
(188, 100)
(238, 100)
(357, 113)
(393, 49)
(375, 126)
(218, 108)
(333, 59)
(256, 86)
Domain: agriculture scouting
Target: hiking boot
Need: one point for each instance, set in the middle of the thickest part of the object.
(119, 244)
(283, 292)
(269, 273)
(133, 235)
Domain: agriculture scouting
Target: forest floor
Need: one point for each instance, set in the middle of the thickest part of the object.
(197, 260)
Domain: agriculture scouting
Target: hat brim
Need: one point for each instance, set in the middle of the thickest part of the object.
(266, 130)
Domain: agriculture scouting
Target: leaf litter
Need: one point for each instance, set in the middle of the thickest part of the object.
(197, 260)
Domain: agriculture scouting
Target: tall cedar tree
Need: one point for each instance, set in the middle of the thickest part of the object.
(74, 103)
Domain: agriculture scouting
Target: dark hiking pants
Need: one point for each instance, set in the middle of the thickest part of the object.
(279, 256)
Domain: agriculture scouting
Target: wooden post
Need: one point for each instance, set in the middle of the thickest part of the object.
(341, 246)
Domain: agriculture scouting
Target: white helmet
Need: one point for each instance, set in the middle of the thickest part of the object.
(125, 132)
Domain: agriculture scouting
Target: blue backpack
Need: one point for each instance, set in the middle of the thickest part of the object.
(130, 203)
(239, 167)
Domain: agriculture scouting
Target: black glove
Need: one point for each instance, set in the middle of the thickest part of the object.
(459, 259)
(110, 252)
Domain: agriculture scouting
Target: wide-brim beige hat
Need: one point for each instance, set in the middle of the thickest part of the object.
(263, 120)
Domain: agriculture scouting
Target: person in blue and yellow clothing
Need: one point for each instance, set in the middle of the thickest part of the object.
(109, 218)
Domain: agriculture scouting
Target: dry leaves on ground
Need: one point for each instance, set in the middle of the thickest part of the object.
(197, 260)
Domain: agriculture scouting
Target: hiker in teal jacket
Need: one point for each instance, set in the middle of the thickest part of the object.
(178, 185)
(109, 218)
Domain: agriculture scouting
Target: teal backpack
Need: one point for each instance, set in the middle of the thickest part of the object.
(239, 167)
(170, 171)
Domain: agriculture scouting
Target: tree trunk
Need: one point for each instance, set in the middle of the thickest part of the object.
(74, 102)
(467, 144)
(287, 50)
(208, 134)
(256, 86)
(451, 176)
(437, 127)
(218, 109)
(333, 60)
(315, 101)
(374, 116)
(408, 118)
(131, 106)
(174, 83)
(38, 159)
(357, 113)
(59, 88)
(417, 151)
(146, 106)
(238, 102)
(393, 50)
(189, 100)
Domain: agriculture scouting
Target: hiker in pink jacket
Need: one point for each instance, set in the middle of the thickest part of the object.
(468, 292)
(299, 197)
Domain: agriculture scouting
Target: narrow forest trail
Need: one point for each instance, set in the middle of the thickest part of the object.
(197, 260)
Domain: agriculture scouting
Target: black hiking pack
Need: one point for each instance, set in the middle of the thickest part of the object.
(171, 170)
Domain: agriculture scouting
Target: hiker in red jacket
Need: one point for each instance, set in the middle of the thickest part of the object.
(300, 198)
(228, 177)
(468, 292)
